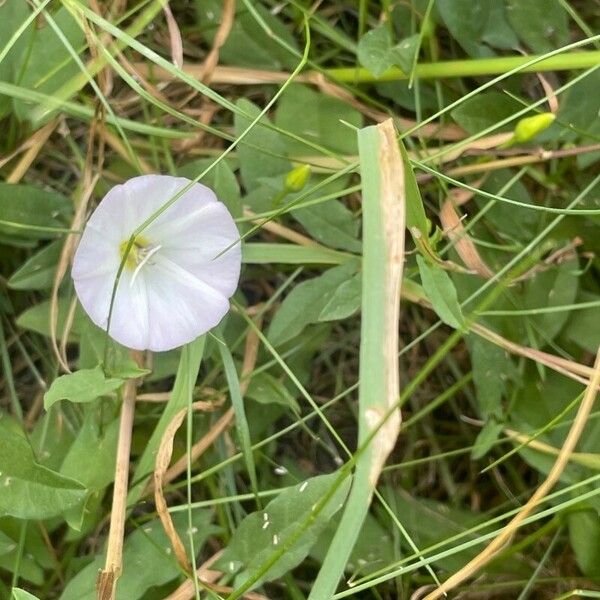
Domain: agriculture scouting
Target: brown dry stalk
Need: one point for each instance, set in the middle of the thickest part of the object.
(107, 578)
(163, 458)
(559, 466)
(34, 144)
(281, 230)
(212, 59)
(455, 231)
(174, 37)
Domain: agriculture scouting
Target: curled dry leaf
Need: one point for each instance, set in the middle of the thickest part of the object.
(163, 458)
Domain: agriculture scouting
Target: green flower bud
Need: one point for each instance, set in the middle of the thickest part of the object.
(296, 179)
(529, 127)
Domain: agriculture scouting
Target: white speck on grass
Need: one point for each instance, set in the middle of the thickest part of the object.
(168, 550)
(275, 540)
(280, 470)
(303, 486)
(265, 524)
(147, 529)
(231, 566)
(265, 517)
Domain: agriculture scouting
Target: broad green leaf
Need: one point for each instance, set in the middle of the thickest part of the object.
(555, 286)
(584, 535)
(266, 389)
(37, 272)
(25, 210)
(221, 179)
(91, 458)
(374, 50)
(508, 221)
(345, 300)
(82, 386)
(12, 16)
(582, 327)
(491, 370)
(248, 44)
(254, 162)
(261, 532)
(441, 292)
(404, 52)
(19, 594)
(332, 224)
(148, 560)
(48, 64)
(303, 305)
(372, 549)
(477, 25)
(542, 25)
(484, 110)
(322, 124)
(29, 490)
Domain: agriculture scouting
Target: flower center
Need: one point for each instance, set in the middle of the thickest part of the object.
(139, 250)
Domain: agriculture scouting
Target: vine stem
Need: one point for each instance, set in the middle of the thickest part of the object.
(472, 67)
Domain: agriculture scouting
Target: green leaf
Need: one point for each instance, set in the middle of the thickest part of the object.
(19, 594)
(542, 25)
(12, 16)
(147, 560)
(82, 386)
(582, 327)
(248, 44)
(416, 219)
(37, 272)
(37, 319)
(29, 490)
(254, 162)
(491, 370)
(25, 210)
(477, 25)
(221, 179)
(485, 109)
(253, 542)
(374, 50)
(584, 535)
(556, 286)
(441, 292)
(332, 224)
(403, 53)
(48, 65)
(265, 389)
(322, 124)
(91, 457)
(345, 300)
(303, 305)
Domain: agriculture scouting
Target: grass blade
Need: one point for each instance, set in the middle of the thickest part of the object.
(382, 170)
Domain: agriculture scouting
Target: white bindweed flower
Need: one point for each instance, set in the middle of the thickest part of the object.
(180, 272)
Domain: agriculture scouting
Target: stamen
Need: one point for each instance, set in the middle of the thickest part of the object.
(146, 258)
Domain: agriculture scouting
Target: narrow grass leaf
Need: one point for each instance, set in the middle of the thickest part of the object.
(382, 172)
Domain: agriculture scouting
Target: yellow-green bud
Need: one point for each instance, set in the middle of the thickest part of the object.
(529, 127)
(296, 179)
